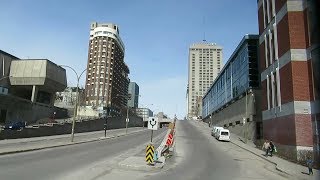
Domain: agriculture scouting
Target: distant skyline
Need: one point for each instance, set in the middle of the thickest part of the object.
(156, 34)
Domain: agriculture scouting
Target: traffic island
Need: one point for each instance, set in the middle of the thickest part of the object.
(139, 163)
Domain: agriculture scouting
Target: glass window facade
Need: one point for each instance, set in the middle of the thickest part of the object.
(240, 73)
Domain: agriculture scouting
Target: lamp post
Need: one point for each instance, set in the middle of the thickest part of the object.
(77, 97)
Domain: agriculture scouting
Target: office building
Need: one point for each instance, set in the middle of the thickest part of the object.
(205, 62)
(233, 99)
(133, 92)
(289, 61)
(28, 87)
(107, 74)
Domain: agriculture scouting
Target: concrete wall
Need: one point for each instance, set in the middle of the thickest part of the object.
(84, 111)
(42, 73)
(232, 117)
(5, 62)
(83, 126)
(19, 109)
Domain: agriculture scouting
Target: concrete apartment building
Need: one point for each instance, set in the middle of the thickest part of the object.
(145, 113)
(205, 62)
(28, 89)
(289, 61)
(133, 91)
(107, 74)
(233, 100)
(67, 98)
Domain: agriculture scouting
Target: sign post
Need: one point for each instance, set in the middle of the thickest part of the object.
(153, 125)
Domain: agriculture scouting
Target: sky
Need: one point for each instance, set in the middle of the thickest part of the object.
(156, 34)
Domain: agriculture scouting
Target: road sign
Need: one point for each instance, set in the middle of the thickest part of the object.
(153, 123)
(127, 120)
(149, 153)
(169, 140)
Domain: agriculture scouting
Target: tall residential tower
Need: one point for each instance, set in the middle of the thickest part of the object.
(204, 66)
(107, 74)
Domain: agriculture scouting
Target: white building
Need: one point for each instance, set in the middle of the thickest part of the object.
(204, 66)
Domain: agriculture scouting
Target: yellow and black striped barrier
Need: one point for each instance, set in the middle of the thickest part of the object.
(149, 153)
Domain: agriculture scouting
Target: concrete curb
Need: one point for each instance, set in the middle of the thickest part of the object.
(145, 167)
(67, 144)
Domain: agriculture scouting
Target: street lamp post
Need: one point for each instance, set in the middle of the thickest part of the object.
(77, 97)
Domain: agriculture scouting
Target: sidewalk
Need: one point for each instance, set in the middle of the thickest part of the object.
(29, 144)
(295, 170)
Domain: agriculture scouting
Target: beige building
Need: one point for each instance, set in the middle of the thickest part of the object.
(27, 89)
(107, 75)
(204, 66)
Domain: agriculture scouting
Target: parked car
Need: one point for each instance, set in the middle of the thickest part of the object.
(223, 135)
(15, 125)
(215, 130)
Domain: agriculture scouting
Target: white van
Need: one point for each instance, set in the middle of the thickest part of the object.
(223, 135)
(215, 130)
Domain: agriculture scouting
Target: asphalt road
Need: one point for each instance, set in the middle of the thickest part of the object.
(54, 163)
(200, 156)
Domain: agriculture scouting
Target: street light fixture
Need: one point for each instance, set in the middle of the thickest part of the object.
(77, 97)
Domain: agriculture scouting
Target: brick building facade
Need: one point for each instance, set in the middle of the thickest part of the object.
(289, 62)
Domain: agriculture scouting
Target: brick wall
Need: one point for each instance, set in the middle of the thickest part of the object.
(283, 36)
(304, 130)
(264, 101)
(297, 30)
(262, 57)
(294, 130)
(300, 80)
(279, 4)
(280, 130)
(260, 18)
(286, 85)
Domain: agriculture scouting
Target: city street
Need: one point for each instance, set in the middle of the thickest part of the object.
(200, 156)
(59, 163)
(197, 156)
